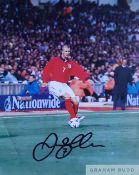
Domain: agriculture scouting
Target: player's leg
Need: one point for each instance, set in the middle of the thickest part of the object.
(58, 89)
(72, 107)
(76, 106)
(71, 102)
(69, 94)
(55, 88)
(69, 105)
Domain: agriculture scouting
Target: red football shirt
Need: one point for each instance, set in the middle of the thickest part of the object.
(59, 70)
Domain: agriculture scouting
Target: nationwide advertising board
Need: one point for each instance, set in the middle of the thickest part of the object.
(43, 102)
(18, 103)
(132, 100)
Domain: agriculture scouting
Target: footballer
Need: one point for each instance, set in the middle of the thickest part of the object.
(56, 75)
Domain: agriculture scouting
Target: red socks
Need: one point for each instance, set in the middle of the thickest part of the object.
(75, 108)
(70, 109)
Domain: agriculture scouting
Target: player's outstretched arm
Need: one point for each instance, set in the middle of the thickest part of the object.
(78, 71)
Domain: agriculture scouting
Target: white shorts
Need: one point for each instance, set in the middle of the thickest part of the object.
(60, 89)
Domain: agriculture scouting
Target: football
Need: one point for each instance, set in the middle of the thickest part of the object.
(74, 123)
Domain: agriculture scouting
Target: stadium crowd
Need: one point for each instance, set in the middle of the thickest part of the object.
(98, 36)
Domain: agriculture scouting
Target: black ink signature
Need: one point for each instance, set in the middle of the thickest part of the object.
(65, 148)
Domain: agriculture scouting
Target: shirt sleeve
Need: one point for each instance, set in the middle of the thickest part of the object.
(78, 71)
(46, 75)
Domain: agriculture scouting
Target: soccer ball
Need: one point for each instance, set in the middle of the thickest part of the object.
(74, 123)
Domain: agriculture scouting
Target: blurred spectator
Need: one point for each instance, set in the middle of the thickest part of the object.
(132, 88)
(26, 78)
(136, 76)
(109, 86)
(9, 75)
(98, 36)
(32, 88)
(1, 74)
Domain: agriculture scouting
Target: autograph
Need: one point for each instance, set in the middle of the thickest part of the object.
(64, 149)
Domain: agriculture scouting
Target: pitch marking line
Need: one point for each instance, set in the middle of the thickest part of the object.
(63, 114)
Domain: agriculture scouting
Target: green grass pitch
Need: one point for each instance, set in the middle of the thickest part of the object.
(118, 131)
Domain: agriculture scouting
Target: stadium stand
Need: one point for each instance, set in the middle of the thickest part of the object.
(98, 35)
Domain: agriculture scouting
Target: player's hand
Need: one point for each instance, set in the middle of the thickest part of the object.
(43, 84)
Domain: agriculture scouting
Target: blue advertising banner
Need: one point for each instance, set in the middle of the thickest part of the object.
(19, 103)
(47, 101)
(132, 100)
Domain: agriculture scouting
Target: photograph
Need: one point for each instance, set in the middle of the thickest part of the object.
(69, 87)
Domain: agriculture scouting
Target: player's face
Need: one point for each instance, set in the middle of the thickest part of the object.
(66, 52)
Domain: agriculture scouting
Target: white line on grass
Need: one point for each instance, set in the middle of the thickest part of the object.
(33, 115)
(63, 114)
(117, 113)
